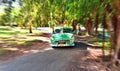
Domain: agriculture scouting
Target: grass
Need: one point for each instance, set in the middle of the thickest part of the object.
(99, 42)
(3, 51)
(15, 36)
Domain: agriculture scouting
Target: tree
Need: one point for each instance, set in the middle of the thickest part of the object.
(8, 17)
(117, 31)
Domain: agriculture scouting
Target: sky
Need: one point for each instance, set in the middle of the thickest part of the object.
(2, 6)
(15, 4)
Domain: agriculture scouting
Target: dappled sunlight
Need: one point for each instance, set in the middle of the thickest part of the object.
(2, 51)
(94, 41)
(24, 51)
(2, 36)
(11, 49)
(20, 36)
(34, 51)
(47, 49)
(14, 36)
(44, 35)
(7, 28)
(27, 26)
(16, 41)
(45, 39)
(1, 42)
(29, 51)
(86, 63)
(96, 53)
(41, 36)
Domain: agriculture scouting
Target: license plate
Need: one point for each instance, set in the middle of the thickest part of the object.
(61, 44)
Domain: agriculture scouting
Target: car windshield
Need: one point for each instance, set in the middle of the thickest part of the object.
(63, 30)
(67, 30)
(57, 30)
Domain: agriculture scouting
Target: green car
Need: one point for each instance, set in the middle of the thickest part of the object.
(62, 36)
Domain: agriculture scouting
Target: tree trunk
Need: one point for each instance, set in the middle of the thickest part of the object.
(114, 35)
(96, 23)
(30, 28)
(74, 26)
(62, 22)
(117, 7)
(88, 27)
(104, 26)
(79, 30)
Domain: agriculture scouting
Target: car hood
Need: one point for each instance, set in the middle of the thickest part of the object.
(62, 36)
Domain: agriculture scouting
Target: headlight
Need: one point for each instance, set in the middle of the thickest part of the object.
(52, 38)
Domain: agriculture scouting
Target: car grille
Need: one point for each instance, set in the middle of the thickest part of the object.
(62, 41)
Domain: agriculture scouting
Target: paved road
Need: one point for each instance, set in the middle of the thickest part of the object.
(46, 60)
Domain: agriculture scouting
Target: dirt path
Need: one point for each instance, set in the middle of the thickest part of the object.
(42, 57)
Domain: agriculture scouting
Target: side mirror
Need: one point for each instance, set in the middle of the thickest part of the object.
(53, 32)
(74, 31)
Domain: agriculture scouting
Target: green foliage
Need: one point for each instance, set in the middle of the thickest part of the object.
(52, 12)
(7, 17)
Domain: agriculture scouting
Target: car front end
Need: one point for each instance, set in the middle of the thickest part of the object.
(62, 40)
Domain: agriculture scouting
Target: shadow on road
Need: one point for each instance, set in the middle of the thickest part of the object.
(78, 46)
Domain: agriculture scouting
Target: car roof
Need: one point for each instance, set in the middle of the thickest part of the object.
(62, 27)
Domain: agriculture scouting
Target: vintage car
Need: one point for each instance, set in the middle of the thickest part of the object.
(62, 36)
